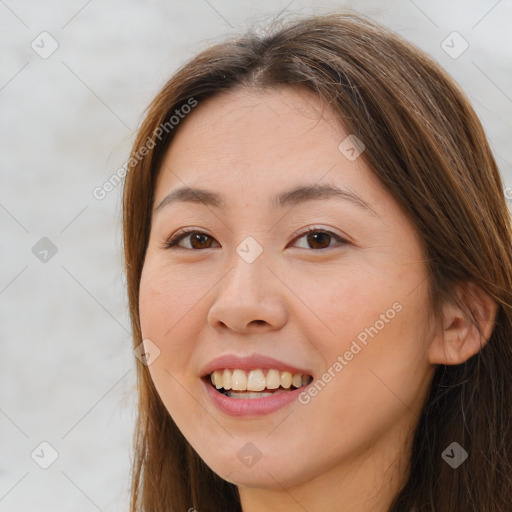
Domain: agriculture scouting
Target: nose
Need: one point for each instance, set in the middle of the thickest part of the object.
(249, 299)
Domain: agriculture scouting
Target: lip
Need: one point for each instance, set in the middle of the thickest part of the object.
(250, 406)
(252, 362)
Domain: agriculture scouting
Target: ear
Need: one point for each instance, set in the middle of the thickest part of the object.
(460, 339)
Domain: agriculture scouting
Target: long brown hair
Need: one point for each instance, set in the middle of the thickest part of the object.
(427, 147)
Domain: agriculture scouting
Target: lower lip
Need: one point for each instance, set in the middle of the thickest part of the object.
(251, 406)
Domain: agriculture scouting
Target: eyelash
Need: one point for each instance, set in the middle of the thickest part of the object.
(173, 242)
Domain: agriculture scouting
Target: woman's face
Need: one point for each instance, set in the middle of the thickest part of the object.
(345, 305)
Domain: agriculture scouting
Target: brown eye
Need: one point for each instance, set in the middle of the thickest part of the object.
(319, 239)
(200, 241)
(197, 240)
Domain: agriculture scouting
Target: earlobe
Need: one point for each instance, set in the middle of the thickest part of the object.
(459, 338)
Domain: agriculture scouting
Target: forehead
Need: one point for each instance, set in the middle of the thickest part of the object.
(262, 140)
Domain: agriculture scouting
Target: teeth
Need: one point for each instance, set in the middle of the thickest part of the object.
(238, 380)
(286, 379)
(226, 379)
(273, 379)
(297, 380)
(255, 380)
(216, 381)
(252, 394)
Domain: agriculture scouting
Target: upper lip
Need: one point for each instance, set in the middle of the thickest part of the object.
(252, 362)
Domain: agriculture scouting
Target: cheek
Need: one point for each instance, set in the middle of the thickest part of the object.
(169, 318)
(369, 330)
(167, 301)
(169, 309)
(344, 304)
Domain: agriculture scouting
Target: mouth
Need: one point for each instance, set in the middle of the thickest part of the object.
(257, 383)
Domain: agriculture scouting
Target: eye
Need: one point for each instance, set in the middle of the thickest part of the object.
(319, 238)
(197, 240)
(315, 239)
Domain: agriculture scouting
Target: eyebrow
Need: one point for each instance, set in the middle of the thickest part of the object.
(300, 194)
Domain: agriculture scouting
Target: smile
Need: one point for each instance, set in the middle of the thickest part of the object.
(253, 385)
(258, 383)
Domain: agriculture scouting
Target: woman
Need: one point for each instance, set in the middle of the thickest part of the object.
(318, 255)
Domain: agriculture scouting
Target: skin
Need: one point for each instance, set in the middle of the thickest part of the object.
(297, 302)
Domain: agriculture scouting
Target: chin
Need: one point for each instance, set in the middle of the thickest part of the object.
(265, 473)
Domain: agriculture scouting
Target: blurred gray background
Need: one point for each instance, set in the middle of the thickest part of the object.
(75, 78)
